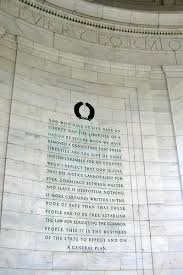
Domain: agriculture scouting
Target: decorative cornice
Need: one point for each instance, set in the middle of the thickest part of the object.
(92, 22)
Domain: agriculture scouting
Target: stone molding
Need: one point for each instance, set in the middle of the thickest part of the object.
(31, 20)
(113, 26)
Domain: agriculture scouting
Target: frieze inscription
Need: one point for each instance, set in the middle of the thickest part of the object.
(105, 38)
(119, 40)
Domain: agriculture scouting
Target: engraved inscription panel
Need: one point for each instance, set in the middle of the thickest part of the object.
(88, 195)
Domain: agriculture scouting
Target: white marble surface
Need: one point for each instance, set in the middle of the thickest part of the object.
(51, 74)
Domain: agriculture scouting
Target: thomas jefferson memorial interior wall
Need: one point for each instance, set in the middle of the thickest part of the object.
(100, 196)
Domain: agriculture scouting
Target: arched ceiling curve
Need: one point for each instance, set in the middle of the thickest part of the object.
(147, 13)
(158, 5)
(149, 36)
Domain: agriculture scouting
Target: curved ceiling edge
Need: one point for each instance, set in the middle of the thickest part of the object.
(43, 26)
(134, 26)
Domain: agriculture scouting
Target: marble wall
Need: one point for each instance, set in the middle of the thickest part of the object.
(47, 85)
(138, 111)
(7, 66)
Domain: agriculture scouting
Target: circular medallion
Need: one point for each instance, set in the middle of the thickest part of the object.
(90, 107)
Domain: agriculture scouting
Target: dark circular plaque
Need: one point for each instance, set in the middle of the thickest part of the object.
(90, 107)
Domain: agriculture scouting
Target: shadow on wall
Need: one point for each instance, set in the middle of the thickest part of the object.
(121, 3)
(143, 4)
(111, 3)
